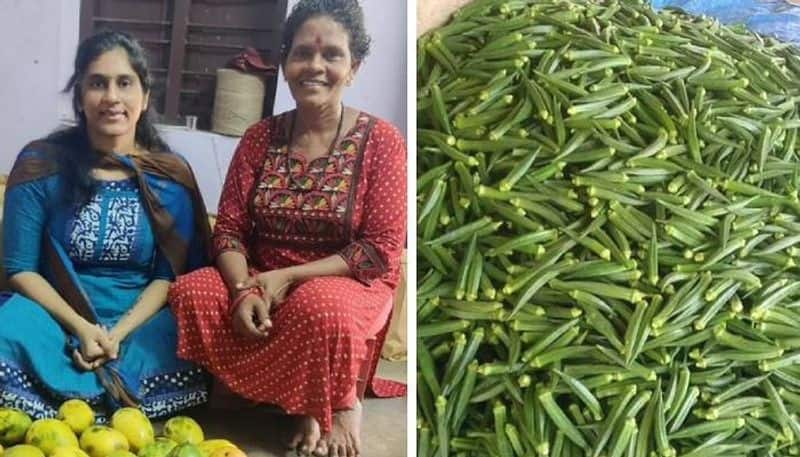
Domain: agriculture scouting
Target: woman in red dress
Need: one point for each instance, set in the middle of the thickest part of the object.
(311, 226)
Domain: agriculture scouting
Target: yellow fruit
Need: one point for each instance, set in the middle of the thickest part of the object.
(77, 414)
(159, 448)
(100, 441)
(13, 425)
(135, 426)
(228, 451)
(122, 454)
(68, 451)
(182, 429)
(185, 450)
(23, 450)
(207, 447)
(48, 434)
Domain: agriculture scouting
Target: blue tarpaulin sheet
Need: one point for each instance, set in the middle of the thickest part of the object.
(776, 18)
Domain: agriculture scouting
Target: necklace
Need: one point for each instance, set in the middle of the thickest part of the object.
(335, 137)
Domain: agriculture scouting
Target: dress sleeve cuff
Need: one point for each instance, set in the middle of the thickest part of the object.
(364, 261)
(225, 243)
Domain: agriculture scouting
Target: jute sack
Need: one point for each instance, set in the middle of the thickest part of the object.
(238, 101)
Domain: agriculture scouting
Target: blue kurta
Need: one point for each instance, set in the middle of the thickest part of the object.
(110, 243)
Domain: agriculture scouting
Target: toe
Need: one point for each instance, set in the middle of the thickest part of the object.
(295, 440)
(308, 446)
(322, 448)
(348, 447)
(310, 441)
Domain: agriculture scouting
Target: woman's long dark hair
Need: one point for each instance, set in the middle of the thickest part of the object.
(78, 160)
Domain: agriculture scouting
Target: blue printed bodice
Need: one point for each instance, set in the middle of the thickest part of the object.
(110, 242)
(111, 230)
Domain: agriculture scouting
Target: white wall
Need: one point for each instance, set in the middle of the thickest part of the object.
(39, 39)
(380, 85)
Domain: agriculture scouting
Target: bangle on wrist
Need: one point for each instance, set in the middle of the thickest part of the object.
(238, 287)
(242, 294)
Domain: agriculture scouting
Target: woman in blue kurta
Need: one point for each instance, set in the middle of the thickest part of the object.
(98, 220)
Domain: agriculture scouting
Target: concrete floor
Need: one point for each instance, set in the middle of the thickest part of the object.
(264, 434)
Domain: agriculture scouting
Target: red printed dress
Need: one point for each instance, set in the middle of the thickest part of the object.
(280, 210)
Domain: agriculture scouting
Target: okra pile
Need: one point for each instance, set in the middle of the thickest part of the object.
(608, 234)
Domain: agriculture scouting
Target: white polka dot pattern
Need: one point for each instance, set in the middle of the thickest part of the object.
(317, 347)
(311, 359)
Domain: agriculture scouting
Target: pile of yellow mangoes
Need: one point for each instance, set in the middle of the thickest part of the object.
(129, 434)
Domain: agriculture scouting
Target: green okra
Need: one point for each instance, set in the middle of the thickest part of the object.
(630, 181)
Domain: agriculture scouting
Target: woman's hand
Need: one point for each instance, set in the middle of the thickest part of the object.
(96, 347)
(251, 316)
(117, 336)
(275, 284)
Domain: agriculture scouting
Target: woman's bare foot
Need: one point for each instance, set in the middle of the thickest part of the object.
(322, 447)
(306, 438)
(345, 437)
